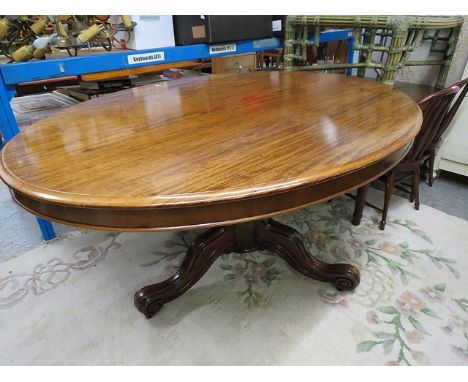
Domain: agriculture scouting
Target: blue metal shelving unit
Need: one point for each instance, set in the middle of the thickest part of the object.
(13, 74)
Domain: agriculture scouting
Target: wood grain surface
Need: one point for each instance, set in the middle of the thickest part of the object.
(210, 140)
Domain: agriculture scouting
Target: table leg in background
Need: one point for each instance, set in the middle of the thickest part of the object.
(360, 203)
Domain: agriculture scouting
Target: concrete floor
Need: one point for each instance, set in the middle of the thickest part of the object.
(449, 193)
(18, 228)
(19, 231)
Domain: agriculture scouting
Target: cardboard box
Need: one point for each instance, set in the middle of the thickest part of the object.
(237, 63)
(191, 30)
(151, 31)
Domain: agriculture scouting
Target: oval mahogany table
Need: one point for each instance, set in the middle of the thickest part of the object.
(224, 152)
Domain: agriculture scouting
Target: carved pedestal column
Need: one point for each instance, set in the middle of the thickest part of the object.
(267, 234)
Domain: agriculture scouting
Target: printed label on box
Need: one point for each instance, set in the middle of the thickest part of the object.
(277, 26)
(215, 49)
(145, 57)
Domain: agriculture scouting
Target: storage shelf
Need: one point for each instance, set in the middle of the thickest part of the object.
(73, 66)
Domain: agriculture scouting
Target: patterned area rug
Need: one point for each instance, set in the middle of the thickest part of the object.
(71, 302)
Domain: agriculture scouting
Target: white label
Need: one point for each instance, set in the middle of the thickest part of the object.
(150, 18)
(145, 57)
(215, 49)
(276, 25)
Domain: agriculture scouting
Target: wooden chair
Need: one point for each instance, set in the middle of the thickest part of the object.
(270, 58)
(435, 110)
(463, 85)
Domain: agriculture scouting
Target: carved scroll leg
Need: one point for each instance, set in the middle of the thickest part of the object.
(200, 256)
(288, 243)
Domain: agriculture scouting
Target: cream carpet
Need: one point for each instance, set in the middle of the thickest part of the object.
(70, 302)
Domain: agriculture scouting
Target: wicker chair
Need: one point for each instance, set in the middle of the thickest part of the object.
(436, 111)
(463, 85)
(384, 42)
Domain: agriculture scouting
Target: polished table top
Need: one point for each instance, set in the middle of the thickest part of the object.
(208, 140)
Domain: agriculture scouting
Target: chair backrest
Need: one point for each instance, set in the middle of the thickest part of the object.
(463, 85)
(435, 110)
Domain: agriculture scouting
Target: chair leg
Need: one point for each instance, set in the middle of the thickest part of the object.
(431, 167)
(359, 205)
(388, 194)
(416, 180)
(411, 197)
